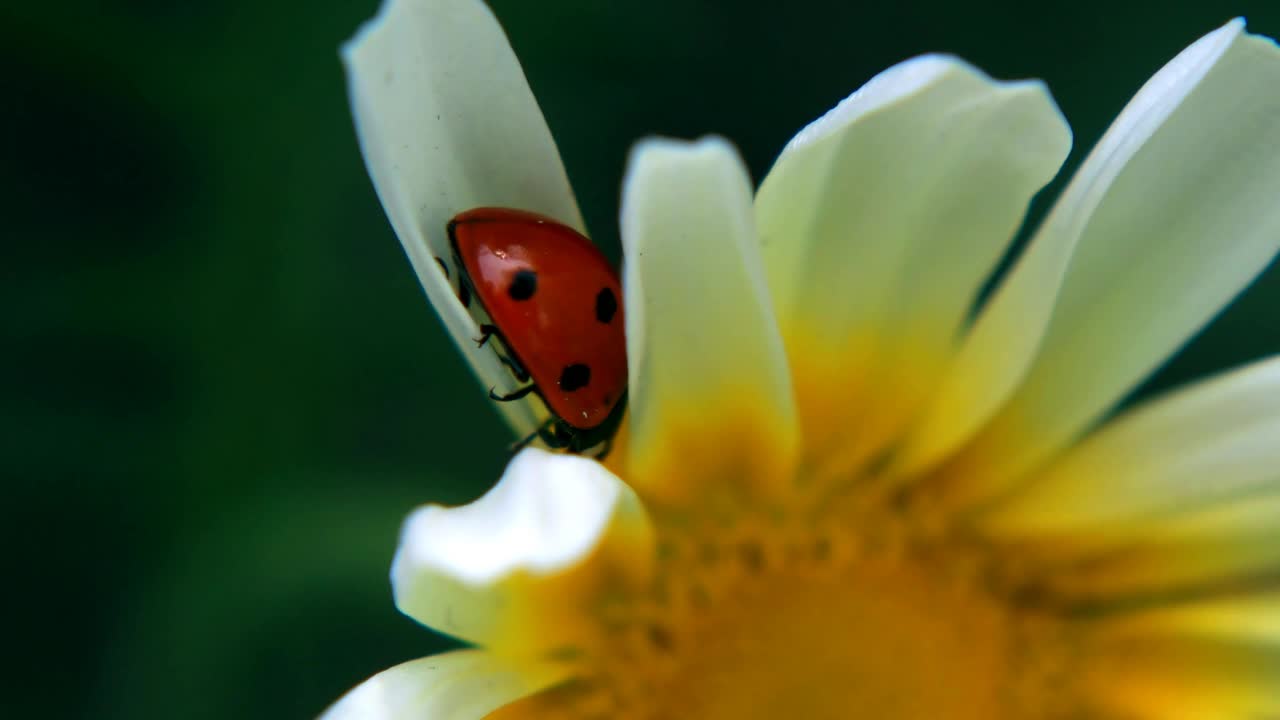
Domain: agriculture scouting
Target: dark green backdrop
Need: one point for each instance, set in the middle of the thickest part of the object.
(222, 388)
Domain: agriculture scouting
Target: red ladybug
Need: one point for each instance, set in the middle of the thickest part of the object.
(555, 304)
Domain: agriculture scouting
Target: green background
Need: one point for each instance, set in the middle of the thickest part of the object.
(222, 387)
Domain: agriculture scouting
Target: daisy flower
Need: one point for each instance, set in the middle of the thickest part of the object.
(840, 490)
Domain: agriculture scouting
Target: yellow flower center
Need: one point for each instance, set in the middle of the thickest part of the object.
(814, 620)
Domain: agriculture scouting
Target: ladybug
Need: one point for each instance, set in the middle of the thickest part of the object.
(554, 305)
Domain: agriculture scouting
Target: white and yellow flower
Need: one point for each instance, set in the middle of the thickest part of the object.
(839, 492)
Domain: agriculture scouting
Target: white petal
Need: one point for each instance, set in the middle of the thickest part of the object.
(881, 221)
(1217, 439)
(710, 388)
(895, 206)
(513, 569)
(1173, 213)
(461, 685)
(447, 122)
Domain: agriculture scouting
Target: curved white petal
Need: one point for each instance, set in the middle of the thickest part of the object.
(1171, 215)
(460, 685)
(1214, 440)
(879, 224)
(710, 388)
(895, 206)
(514, 570)
(447, 122)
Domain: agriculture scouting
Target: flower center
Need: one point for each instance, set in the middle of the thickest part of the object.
(827, 623)
(882, 639)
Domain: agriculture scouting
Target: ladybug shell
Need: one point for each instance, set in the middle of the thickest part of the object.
(557, 304)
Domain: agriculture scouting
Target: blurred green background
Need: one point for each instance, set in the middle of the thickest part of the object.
(223, 389)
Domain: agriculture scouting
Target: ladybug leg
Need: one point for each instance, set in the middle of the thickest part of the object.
(545, 432)
(512, 396)
(486, 331)
(523, 442)
(516, 369)
(605, 447)
(555, 434)
(464, 292)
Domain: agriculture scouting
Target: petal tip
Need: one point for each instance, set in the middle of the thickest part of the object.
(659, 149)
(885, 89)
(350, 49)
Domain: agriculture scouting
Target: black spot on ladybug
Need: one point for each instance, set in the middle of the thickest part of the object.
(606, 305)
(523, 285)
(574, 377)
